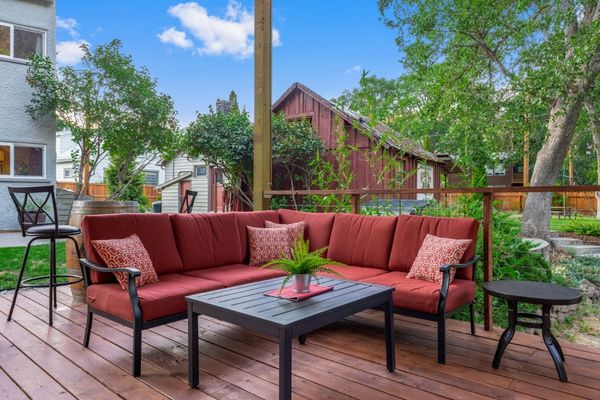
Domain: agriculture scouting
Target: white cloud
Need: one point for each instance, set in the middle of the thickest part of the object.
(232, 34)
(69, 24)
(176, 38)
(69, 52)
(356, 68)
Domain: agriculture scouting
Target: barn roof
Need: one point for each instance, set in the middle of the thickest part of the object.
(380, 130)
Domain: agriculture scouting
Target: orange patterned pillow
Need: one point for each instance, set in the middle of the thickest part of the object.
(127, 252)
(435, 252)
(296, 230)
(268, 244)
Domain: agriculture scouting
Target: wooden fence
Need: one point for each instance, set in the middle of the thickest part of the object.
(99, 191)
(580, 202)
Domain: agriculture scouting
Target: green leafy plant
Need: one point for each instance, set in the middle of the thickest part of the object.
(303, 261)
(583, 227)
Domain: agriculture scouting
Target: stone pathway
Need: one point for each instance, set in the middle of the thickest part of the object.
(575, 247)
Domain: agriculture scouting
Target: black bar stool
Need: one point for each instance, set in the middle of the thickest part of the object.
(38, 217)
(187, 202)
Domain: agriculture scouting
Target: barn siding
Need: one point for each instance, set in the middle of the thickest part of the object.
(299, 104)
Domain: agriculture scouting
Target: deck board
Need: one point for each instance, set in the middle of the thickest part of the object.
(343, 361)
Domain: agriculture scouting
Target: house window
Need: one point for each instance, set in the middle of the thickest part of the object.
(20, 43)
(68, 173)
(151, 178)
(200, 170)
(498, 170)
(22, 160)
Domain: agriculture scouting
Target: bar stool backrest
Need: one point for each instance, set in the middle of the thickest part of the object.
(36, 205)
(187, 202)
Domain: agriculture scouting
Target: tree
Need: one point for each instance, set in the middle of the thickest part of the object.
(110, 107)
(134, 191)
(548, 50)
(75, 99)
(295, 146)
(225, 140)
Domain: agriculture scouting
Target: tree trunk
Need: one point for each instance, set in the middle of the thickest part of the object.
(561, 128)
(595, 126)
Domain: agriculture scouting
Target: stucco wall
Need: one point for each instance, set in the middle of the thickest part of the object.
(15, 125)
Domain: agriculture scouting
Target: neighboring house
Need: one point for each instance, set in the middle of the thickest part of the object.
(184, 173)
(154, 173)
(27, 153)
(421, 169)
(500, 175)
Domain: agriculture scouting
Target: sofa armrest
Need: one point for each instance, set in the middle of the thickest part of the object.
(128, 270)
(132, 273)
(472, 263)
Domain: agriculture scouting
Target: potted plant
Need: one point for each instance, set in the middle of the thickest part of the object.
(303, 265)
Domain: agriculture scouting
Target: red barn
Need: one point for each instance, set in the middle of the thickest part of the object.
(421, 168)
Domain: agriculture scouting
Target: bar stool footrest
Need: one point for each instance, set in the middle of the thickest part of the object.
(25, 283)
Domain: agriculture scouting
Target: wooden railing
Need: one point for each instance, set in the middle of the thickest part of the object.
(488, 200)
(99, 191)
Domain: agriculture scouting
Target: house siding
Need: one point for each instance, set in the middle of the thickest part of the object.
(16, 126)
(170, 194)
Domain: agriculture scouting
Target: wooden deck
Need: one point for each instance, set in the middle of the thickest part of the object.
(343, 361)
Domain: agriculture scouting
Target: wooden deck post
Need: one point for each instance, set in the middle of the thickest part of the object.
(487, 257)
(356, 204)
(262, 102)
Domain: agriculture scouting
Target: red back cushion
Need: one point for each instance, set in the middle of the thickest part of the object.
(207, 240)
(411, 231)
(361, 240)
(317, 228)
(154, 230)
(252, 218)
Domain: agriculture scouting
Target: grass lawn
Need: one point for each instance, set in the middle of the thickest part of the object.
(559, 225)
(37, 263)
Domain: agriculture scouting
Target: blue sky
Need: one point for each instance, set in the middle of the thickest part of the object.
(199, 51)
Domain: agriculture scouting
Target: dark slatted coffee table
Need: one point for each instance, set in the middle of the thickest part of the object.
(247, 306)
(545, 294)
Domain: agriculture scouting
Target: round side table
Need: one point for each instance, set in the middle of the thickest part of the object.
(545, 294)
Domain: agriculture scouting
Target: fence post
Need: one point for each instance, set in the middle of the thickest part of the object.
(356, 204)
(487, 257)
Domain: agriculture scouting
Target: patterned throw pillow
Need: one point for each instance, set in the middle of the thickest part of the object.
(128, 252)
(268, 244)
(295, 230)
(435, 252)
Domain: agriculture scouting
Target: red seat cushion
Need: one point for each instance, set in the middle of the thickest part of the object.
(154, 230)
(424, 296)
(412, 229)
(236, 274)
(317, 229)
(167, 297)
(361, 240)
(352, 273)
(207, 240)
(252, 218)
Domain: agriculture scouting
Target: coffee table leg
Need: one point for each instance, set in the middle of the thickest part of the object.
(552, 344)
(508, 333)
(285, 364)
(193, 356)
(390, 343)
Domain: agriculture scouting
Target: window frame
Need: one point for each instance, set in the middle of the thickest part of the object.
(200, 166)
(12, 175)
(12, 27)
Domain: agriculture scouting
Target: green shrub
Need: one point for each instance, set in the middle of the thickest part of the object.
(574, 271)
(583, 227)
(512, 258)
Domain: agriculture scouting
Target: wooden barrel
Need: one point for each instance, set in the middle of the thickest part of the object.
(78, 212)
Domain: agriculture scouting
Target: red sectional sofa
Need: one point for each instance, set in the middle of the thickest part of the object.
(193, 253)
